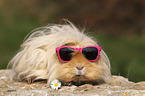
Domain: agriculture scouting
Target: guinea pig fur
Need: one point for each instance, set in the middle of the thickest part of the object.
(37, 58)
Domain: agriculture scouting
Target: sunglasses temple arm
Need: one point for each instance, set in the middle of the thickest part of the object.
(106, 58)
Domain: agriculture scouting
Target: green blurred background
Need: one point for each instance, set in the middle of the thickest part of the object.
(117, 25)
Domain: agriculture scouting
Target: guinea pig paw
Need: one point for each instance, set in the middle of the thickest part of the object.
(29, 80)
(68, 83)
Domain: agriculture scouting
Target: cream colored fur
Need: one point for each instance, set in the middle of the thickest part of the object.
(37, 58)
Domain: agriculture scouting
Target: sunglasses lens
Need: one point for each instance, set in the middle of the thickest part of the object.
(90, 53)
(65, 53)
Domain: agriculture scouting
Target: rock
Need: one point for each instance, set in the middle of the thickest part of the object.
(120, 86)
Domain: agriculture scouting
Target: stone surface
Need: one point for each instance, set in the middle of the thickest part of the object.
(120, 86)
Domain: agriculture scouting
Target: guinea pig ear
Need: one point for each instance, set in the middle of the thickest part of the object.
(102, 53)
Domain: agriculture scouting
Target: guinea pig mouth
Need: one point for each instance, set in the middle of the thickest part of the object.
(79, 73)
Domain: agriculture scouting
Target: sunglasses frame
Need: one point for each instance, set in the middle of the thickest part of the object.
(78, 49)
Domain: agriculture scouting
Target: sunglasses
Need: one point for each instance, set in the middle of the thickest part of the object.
(91, 53)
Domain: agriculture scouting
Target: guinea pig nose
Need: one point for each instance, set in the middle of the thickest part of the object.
(79, 67)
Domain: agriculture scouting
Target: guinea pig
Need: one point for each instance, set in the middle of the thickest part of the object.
(38, 57)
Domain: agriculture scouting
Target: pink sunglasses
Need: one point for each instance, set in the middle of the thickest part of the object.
(91, 53)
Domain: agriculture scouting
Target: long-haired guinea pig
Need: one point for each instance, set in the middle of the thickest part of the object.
(61, 52)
